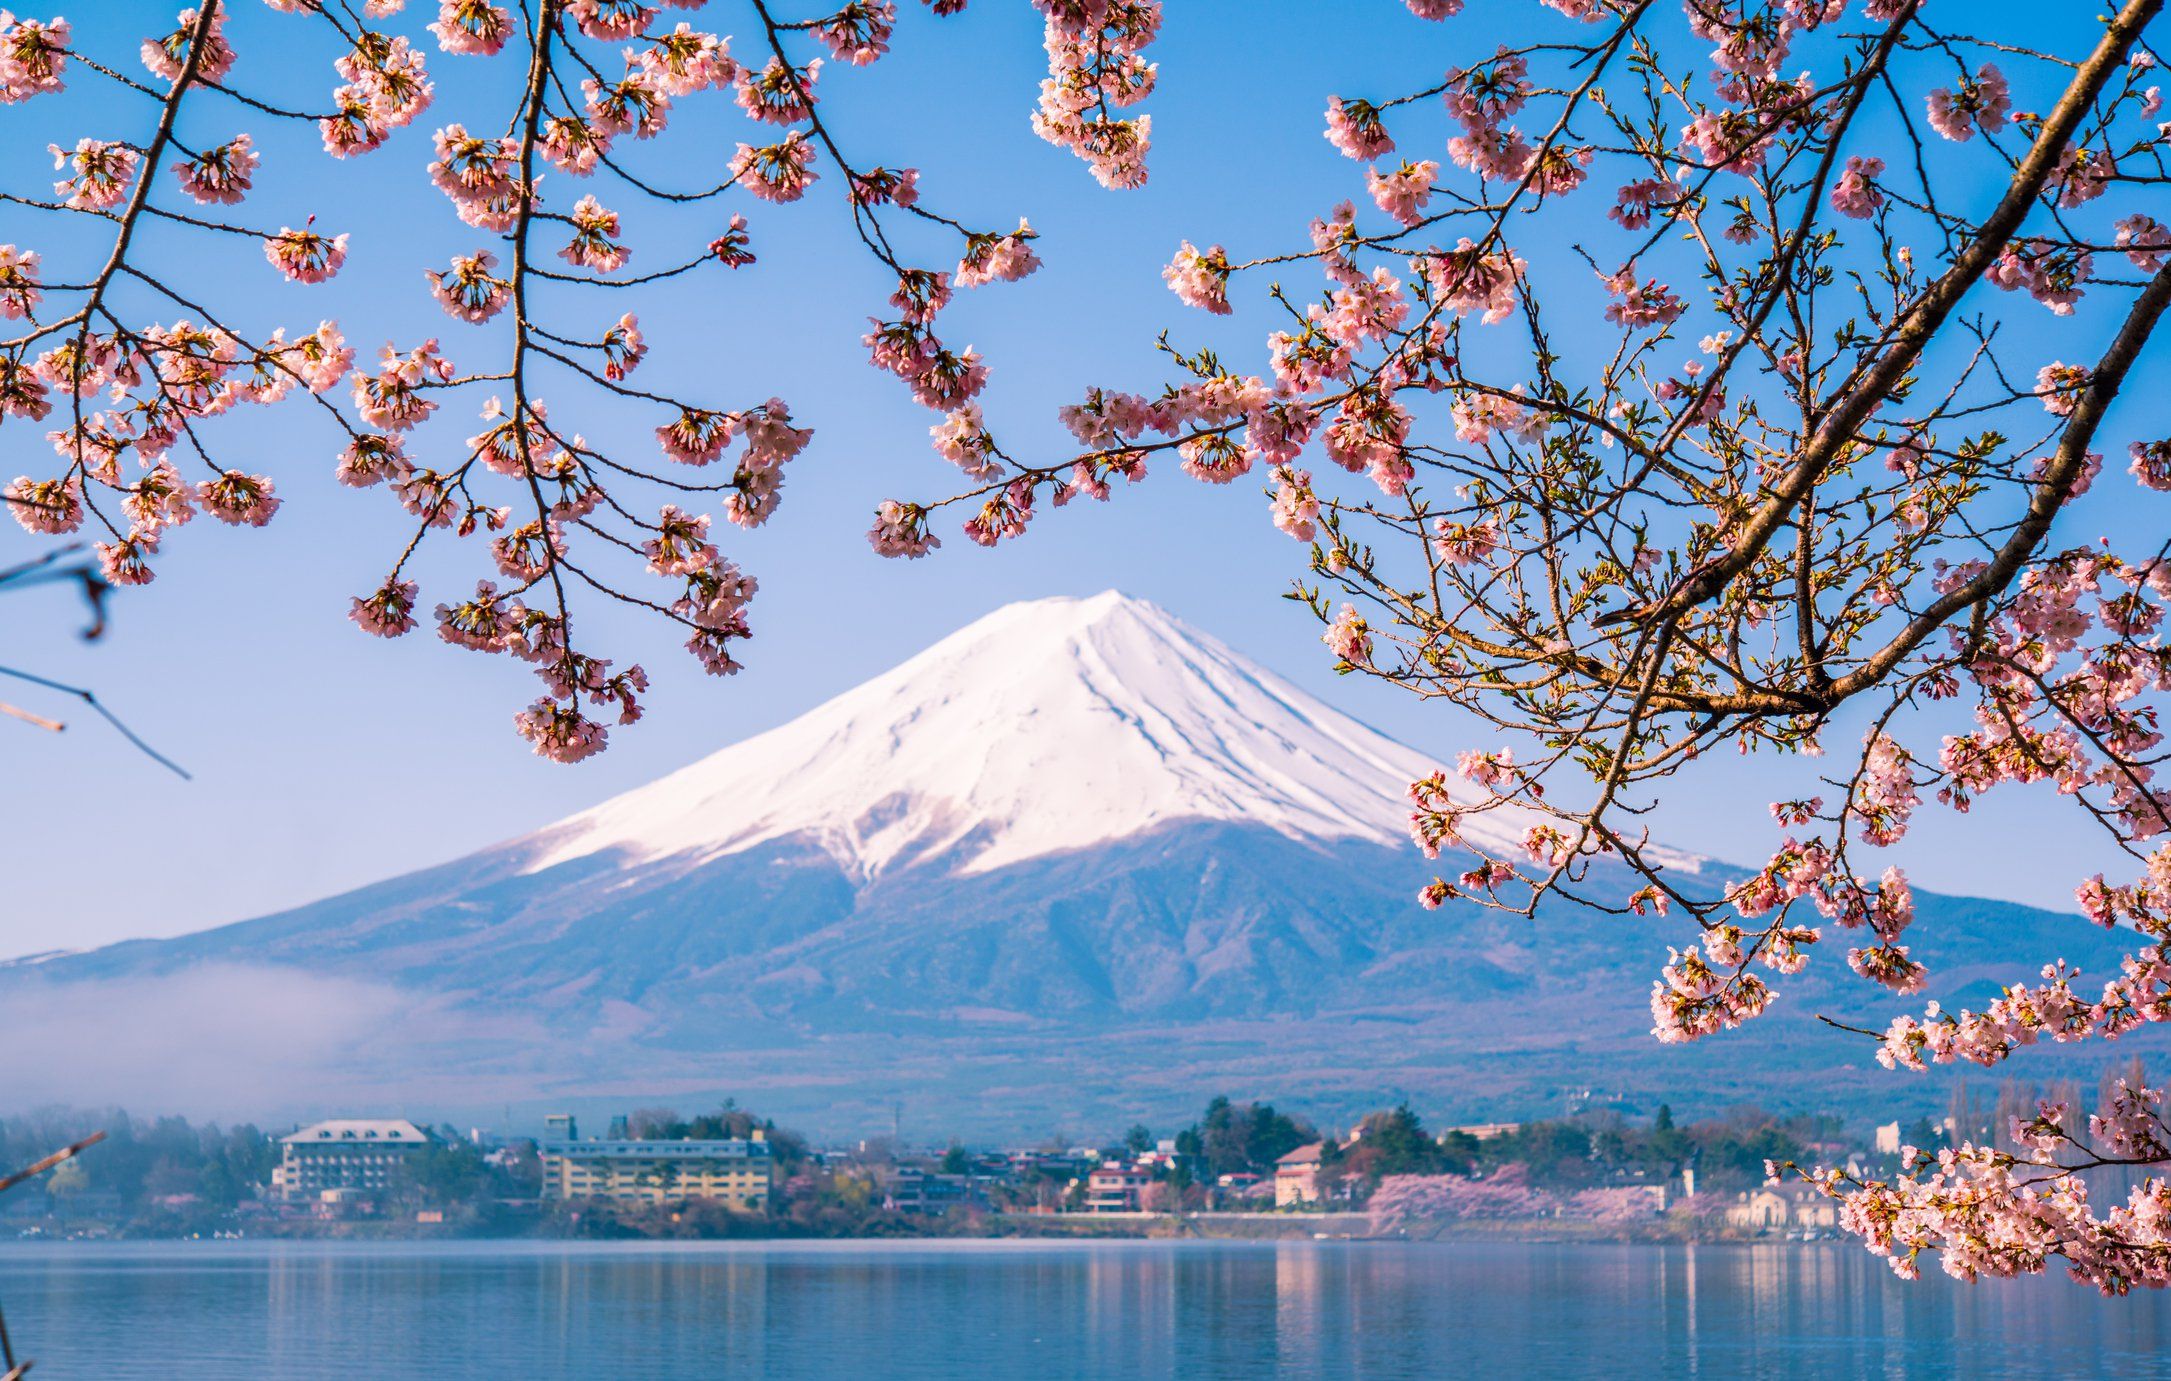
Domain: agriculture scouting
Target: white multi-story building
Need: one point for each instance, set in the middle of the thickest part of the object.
(348, 1153)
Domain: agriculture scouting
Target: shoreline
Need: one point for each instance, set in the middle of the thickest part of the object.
(1019, 1228)
(31, 1250)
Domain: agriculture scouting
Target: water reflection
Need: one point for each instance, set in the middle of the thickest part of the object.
(300, 1312)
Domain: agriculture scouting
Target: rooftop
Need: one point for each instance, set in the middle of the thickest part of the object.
(628, 1149)
(397, 1130)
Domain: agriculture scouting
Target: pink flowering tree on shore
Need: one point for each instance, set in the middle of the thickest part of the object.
(1409, 1205)
(119, 377)
(1414, 1205)
(1681, 385)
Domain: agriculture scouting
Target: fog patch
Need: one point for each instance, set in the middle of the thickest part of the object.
(232, 1041)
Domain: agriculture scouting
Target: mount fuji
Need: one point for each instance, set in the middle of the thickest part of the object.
(1073, 866)
(1043, 728)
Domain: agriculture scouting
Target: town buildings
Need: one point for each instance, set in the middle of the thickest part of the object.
(1060, 1166)
(1117, 1186)
(1241, 1185)
(735, 1172)
(1484, 1131)
(345, 1158)
(1296, 1176)
(1787, 1208)
(930, 1193)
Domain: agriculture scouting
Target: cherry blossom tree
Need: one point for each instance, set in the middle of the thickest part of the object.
(1406, 1204)
(1729, 384)
(126, 370)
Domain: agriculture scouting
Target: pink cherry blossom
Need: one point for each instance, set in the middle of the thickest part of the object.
(1356, 129)
(1980, 102)
(2146, 241)
(1639, 305)
(596, 243)
(475, 28)
(222, 175)
(305, 256)
(1348, 637)
(1855, 192)
(19, 290)
(164, 57)
(1403, 193)
(776, 172)
(389, 612)
(1200, 280)
(468, 290)
(1002, 258)
(102, 173)
(237, 498)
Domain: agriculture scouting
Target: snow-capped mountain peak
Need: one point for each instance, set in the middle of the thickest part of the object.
(1046, 726)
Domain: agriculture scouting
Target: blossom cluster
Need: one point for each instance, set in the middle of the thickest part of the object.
(1984, 1210)
(1096, 67)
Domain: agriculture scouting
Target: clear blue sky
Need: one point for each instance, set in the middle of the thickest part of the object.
(325, 759)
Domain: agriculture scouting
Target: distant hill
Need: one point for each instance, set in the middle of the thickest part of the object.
(1075, 865)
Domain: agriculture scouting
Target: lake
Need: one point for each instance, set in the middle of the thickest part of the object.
(541, 1311)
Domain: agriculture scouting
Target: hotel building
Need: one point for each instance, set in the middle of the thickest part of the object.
(734, 1172)
(349, 1153)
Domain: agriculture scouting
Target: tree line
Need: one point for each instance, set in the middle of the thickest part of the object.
(169, 1175)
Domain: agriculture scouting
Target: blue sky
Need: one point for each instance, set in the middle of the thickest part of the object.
(324, 759)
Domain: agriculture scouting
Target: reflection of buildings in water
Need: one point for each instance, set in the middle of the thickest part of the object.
(978, 1310)
(1789, 1289)
(1871, 1279)
(1677, 1282)
(1298, 1270)
(1690, 1302)
(2055, 1320)
(304, 1291)
(1766, 1272)
(687, 1305)
(1866, 1321)
(740, 1288)
(1737, 1302)
(1130, 1310)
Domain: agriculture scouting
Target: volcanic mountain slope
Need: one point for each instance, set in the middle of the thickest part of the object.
(1074, 864)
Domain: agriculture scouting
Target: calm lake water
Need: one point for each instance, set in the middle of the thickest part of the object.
(297, 1312)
